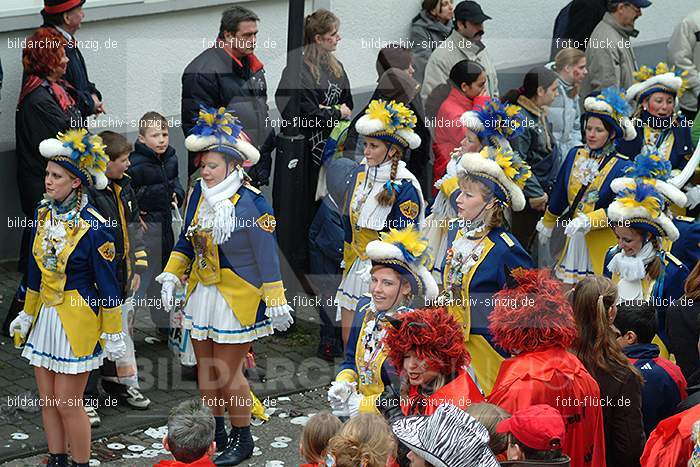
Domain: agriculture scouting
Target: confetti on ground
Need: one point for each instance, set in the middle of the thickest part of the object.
(283, 415)
(283, 399)
(283, 439)
(136, 448)
(116, 446)
(149, 453)
(279, 445)
(157, 433)
(94, 462)
(299, 421)
(274, 464)
(157, 445)
(151, 340)
(19, 436)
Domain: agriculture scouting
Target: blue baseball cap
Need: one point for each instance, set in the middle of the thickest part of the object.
(639, 3)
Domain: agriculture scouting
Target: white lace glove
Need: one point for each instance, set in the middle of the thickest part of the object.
(280, 316)
(168, 283)
(339, 392)
(693, 194)
(353, 404)
(21, 325)
(544, 233)
(115, 347)
(580, 224)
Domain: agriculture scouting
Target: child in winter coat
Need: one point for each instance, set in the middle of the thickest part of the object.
(154, 176)
(664, 384)
(326, 236)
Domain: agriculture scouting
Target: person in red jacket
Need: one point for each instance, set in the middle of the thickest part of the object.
(670, 445)
(426, 346)
(190, 437)
(465, 90)
(533, 321)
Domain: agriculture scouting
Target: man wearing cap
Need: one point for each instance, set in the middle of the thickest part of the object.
(450, 437)
(609, 54)
(464, 42)
(535, 437)
(65, 16)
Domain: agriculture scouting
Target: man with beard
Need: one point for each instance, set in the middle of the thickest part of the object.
(464, 42)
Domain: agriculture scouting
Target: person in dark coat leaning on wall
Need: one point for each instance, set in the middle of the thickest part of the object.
(65, 16)
(230, 75)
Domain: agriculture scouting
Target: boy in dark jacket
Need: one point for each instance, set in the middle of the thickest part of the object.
(117, 203)
(154, 176)
(664, 384)
(326, 237)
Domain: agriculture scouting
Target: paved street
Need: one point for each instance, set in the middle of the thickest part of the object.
(288, 362)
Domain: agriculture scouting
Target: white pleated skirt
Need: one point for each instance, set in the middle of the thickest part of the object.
(47, 347)
(353, 286)
(208, 316)
(576, 264)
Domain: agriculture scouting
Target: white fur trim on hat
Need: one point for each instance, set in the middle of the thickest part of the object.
(52, 147)
(378, 250)
(669, 191)
(475, 163)
(431, 288)
(367, 126)
(195, 143)
(410, 136)
(471, 120)
(619, 213)
(591, 104)
(667, 80)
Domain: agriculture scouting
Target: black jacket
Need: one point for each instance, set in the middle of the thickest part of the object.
(77, 76)
(215, 79)
(621, 403)
(123, 211)
(683, 331)
(38, 117)
(155, 179)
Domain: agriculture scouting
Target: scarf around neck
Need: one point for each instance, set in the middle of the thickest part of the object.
(218, 212)
(632, 270)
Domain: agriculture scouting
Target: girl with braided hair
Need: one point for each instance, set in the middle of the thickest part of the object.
(385, 195)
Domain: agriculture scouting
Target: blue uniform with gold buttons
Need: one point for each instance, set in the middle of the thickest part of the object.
(245, 269)
(471, 306)
(674, 142)
(80, 284)
(593, 204)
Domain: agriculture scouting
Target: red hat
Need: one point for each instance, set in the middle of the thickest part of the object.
(531, 313)
(55, 7)
(539, 427)
(433, 334)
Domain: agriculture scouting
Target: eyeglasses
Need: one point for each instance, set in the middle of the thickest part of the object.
(634, 7)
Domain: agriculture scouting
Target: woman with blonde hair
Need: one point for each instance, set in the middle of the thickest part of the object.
(565, 112)
(478, 247)
(365, 441)
(594, 303)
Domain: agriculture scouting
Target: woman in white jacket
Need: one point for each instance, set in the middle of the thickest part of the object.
(565, 110)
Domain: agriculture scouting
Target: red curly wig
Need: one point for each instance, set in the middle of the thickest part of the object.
(44, 51)
(534, 315)
(433, 334)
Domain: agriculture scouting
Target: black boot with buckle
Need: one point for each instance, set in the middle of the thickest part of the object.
(240, 447)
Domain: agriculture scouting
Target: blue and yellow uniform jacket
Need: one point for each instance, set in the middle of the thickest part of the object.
(675, 142)
(595, 201)
(245, 269)
(82, 285)
(475, 302)
(378, 372)
(663, 291)
(405, 211)
(687, 247)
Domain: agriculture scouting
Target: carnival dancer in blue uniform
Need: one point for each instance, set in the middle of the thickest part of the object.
(74, 299)
(490, 125)
(385, 195)
(399, 280)
(235, 294)
(478, 248)
(638, 264)
(582, 190)
(658, 124)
